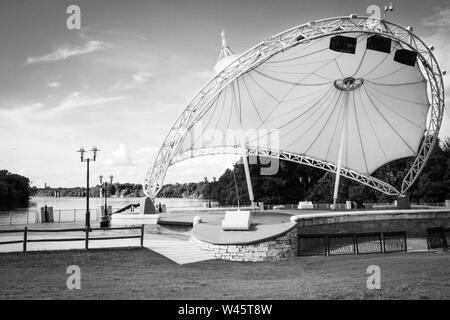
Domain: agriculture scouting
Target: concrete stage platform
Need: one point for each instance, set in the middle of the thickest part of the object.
(271, 224)
(258, 232)
(215, 217)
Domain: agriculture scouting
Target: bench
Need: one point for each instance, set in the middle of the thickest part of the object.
(305, 205)
(237, 221)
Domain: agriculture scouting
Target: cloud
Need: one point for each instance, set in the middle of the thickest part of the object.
(142, 77)
(64, 52)
(439, 20)
(137, 80)
(77, 99)
(54, 84)
(439, 23)
(121, 157)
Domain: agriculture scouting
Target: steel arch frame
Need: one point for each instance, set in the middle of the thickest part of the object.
(255, 56)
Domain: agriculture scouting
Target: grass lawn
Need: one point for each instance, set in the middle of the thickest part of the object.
(144, 274)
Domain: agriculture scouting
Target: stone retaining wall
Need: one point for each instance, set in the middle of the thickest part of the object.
(276, 249)
(414, 222)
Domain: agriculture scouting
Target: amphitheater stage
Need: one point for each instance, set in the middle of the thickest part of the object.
(273, 223)
(215, 217)
(214, 234)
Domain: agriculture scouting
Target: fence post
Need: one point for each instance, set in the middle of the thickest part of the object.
(406, 243)
(10, 217)
(86, 241)
(383, 249)
(142, 236)
(25, 236)
(355, 244)
(444, 237)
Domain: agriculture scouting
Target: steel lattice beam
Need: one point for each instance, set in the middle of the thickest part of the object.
(293, 157)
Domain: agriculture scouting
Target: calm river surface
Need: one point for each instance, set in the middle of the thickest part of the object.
(80, 203)
(68, 209)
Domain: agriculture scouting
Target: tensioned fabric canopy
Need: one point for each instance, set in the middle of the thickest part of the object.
(298, 102)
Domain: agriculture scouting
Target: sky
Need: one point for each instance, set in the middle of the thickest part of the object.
(120, 82)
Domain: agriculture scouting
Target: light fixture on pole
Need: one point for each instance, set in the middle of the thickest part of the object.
(82, 151)
(388, 8)
(100, 178)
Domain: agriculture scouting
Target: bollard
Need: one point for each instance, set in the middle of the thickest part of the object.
(197, 220)
(86, 241)
(10, 217)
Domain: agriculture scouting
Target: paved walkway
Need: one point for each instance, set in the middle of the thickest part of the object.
(180, 251)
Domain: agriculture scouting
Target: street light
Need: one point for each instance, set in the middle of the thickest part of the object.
(207, 184)
(303, 184)
(105, 219)
(82, 151)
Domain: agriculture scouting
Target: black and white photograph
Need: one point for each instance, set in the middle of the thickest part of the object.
(224, 157)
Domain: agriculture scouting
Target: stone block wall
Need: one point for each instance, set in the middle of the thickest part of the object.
(413, 227)
(276, 249)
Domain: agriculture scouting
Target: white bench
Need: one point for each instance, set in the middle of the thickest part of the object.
(237, 221)
(305, 205)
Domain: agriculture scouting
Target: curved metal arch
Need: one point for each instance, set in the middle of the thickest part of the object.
(285, 40)
(293, 157)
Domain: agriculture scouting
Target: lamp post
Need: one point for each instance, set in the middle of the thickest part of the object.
(307, 180)
(105, 219)
(87, 160)
(209, 185)
(211, 190)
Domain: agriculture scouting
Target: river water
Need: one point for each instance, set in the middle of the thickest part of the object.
(71, 209)
(65, 203)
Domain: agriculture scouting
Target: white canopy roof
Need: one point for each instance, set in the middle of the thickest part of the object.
(291, 103)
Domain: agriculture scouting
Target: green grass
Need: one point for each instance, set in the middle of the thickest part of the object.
(143, 274)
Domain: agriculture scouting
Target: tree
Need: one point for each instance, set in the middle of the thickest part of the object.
(15, 190)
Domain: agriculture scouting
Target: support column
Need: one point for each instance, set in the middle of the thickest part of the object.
(341, 147)
(248, 177)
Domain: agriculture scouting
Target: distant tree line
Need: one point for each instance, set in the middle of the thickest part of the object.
(115, 189)
(15, 190)
(196, 190)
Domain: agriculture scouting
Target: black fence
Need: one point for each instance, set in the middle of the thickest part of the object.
(86, 238)
(438, 238)
(351, 243)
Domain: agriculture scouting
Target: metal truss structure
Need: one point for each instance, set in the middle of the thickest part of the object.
(170, 151)
(289, 156)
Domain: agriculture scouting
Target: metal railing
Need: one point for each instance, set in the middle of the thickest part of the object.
(438, 238)
(351, 243)
(26, 231)
(33, 216)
